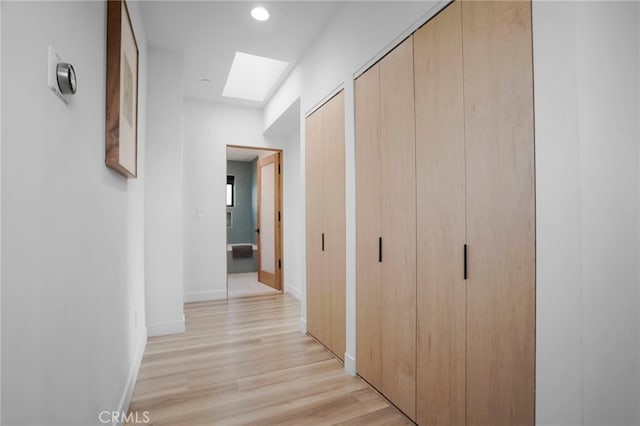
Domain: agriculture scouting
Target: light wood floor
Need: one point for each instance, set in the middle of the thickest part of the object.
(246, 284)
(244, 361)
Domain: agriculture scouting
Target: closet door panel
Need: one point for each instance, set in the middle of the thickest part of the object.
(441, 288)
(334, 220)
(316, 299)
(397, 141)
(368, 228)
(500, 212)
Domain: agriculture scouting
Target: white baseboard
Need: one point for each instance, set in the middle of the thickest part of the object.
(202, 296)
(294, 292)
(350, 364)
(123, 407)
(303, 325)
(164, 328)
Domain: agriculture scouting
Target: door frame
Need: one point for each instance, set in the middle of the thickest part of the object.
(279, 225)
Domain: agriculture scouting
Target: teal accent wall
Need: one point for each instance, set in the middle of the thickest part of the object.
(243, 212)
(254, 198)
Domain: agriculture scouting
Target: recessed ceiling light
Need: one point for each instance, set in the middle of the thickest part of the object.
(205, 80)
(260, 13)
(252, 77)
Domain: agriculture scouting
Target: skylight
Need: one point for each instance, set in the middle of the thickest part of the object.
(252, 77)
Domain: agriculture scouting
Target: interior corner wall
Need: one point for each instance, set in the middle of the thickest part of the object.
(164, 263)
(293, 218)
(586, 70)
(71, 268)
(208, 129)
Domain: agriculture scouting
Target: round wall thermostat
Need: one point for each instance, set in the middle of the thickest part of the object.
(66, 78)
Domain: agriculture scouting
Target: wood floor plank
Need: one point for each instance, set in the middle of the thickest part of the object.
(244, 361)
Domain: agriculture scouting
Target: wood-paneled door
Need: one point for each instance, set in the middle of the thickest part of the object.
(386, 226)
(326, 268)
(441, 233)
(368, 228)
(269, 222)
(446, 310)
(316, 290)
(498, 92)
(398, 180)
(334, 221)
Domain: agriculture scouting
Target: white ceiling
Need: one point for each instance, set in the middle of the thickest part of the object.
(209, 33)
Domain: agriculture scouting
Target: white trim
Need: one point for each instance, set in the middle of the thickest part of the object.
(303, 325)
(293, 291)
(324, 100)
(350, 364)
(165, 328)
(406, 33)
(202, 296)
(123, 407)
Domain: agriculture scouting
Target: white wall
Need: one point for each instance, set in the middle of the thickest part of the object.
(586, 66)
(293, 219)
(360, 33)
(208, 129)
(164, 195)
(559, 268)
(72, 270)
(285, 132)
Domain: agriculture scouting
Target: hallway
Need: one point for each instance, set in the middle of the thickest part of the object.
(244, 361)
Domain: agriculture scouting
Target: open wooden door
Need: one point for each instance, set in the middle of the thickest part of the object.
(269, 222)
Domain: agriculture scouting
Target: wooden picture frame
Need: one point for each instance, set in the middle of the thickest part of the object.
(121, 127)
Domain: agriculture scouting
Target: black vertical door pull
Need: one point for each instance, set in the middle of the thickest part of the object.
(465, 261)
(380, 249)
(323, 241)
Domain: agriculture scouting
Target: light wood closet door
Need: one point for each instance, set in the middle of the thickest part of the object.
(334, 222)
(368, 228)
(398, 186)
(441, 288)
(316, 294)
(500, 212)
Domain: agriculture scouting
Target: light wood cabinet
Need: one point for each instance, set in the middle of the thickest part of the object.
(498, 82)
(316, 292)
(446, 322)
(386, 212)
(397, 189)
(368, 228)
(326, 270)
(441, 288)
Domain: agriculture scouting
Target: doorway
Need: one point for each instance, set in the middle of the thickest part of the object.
(254, 221)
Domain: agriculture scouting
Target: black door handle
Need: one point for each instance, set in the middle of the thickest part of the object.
(257, 230)
(465, 262)
(323, 241)
(380, 249)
